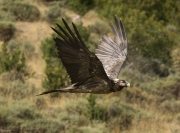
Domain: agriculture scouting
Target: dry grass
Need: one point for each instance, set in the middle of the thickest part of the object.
(90, 18)
(34, 33)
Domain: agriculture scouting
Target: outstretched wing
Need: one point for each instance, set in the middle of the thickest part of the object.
(79, 62)
(112, 53)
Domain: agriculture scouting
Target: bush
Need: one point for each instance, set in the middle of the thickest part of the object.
(172, 106)
(12, 60)
(178, 117)
(54, 12)
(49, 0)
(121, 114)
(94, 111)
(145, 28)
(25, 118)
(21, 10)
(165, 88)
(15, 89)
(27, 48)
(80, 6)
(7, 30)
(40, 103)
(176, 59)
(6, 16)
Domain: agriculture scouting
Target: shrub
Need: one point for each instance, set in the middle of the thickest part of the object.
(80, 6)
(94, 128)
(6, 16)
(15, 89)
(40, 103)
(172, 106)
(178, 117)
(145, 28)
(22, 117)
(163, 88)
(121, 114)
(21, 10)
(26, 47)
(7, 30)
(49, 0)
(76, 106)
(54, 12)
(176, 59)
(11, 60)
(94, 111)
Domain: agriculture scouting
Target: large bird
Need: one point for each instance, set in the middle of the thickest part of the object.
(89, 72)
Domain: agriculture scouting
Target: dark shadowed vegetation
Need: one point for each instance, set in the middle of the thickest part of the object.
(7, 30)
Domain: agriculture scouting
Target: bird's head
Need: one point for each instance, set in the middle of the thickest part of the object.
(120, 84)
(123, 83)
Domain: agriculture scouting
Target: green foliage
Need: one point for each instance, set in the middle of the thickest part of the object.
(80, 6)
(12, 60)
(40, 103)
(166, 10)
(18, 10)
(176, 58)
(121, 114)
(54, 12)
(94, 111)
(49, 0)
(178, 117)
(171, 106)
(24, 118)
(56, 75)
(7, 30)
(16, 89)
(144, 22)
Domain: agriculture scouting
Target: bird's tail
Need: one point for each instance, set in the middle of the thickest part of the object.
(67, 89)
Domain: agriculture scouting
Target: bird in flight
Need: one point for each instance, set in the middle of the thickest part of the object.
(92, 73)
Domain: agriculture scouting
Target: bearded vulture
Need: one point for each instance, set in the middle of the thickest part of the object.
(92, 73)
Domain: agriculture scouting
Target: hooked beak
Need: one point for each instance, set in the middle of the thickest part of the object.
(127, 84)
(124, 84)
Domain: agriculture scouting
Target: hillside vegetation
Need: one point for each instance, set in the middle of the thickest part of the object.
(29, 65)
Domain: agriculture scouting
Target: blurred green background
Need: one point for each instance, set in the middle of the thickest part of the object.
(29, 65)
